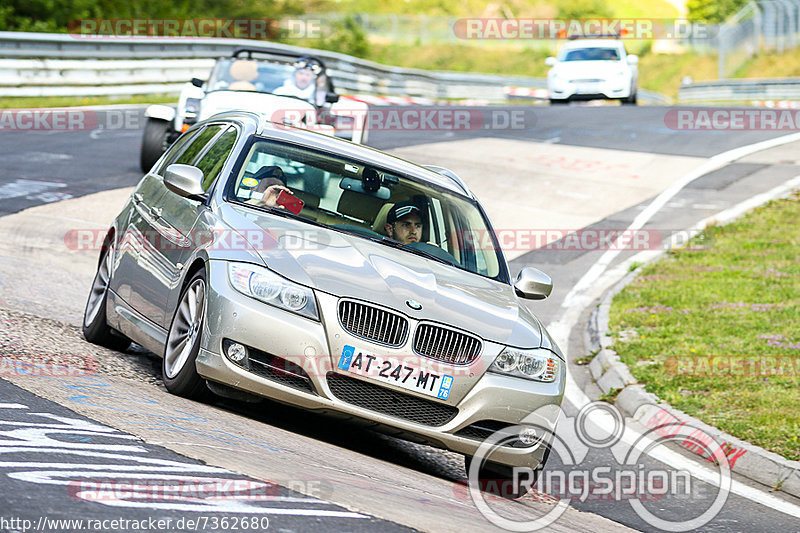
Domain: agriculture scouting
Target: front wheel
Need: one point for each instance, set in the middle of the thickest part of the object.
(183, 341)
(631, 100)
(498, 478)
(95, 326)
(558, 101)
(154, 142)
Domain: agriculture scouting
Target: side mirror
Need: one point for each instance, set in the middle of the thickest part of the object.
(197, 82)
(331, 98)
(533, 284)
(185, 180)
(633, 60)
(550, 61)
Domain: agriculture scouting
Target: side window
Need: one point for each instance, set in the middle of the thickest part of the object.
(214, 158)
(174, 151)
(198, 143)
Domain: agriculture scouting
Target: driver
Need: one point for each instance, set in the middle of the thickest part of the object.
(302, 83)
(405, 222)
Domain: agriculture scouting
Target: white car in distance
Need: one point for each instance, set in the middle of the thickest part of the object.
(591, 69)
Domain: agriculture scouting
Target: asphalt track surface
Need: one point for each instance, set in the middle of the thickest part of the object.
(47, 166)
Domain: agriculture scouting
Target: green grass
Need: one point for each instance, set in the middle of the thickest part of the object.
(734, 293)
(15, 102)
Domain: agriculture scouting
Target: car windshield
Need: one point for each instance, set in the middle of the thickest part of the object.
(357, 198)
(591, 54)
(272, 77)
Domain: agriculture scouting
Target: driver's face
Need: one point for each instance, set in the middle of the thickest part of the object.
(303, 77)
(406, 230)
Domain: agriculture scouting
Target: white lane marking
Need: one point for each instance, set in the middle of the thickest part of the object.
(33, 439)
(594, 283)
(715, 162)
(22, 187)
(705, 206)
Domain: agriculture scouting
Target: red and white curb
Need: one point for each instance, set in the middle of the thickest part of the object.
(778, 104)
(527, 92)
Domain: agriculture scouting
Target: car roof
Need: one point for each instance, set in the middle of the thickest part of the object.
(341, 147)
(594, 43)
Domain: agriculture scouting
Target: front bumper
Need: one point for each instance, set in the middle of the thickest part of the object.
(305, 343)
(585, 90)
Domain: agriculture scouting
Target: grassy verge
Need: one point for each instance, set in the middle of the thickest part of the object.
(713, 328)
(16, 102)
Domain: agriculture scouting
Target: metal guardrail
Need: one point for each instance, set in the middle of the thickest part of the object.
(740, 90)
(41, 64)
(121, 64)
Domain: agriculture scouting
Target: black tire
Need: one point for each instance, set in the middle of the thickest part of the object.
(497, 478)
(631, 100)
(154, 142)
(95, 326)
(178, 369)
(558, 101)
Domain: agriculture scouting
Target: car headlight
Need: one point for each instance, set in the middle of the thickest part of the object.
(268, 287)
(539, 364)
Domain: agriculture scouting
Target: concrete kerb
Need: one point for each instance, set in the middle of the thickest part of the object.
(611, 374)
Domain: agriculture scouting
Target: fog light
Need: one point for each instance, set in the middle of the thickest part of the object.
(236, 352)
(528, 436)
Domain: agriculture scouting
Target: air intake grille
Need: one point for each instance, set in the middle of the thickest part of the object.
(279, 369)
(373, 323)
(446, 345)
(382, 400)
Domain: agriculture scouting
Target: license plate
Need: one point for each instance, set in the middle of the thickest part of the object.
(588, 89)
(390, 370)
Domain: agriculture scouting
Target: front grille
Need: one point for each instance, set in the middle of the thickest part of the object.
(446, 345)
(372, 323)
(388, 402)
(588, 80)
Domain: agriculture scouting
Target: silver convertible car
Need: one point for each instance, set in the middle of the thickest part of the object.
(262, 260)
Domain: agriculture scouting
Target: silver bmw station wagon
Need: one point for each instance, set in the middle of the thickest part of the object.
(262, 260)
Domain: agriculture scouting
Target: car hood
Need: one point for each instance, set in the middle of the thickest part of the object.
(347, 265)
(221, 101)
(589, 69)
